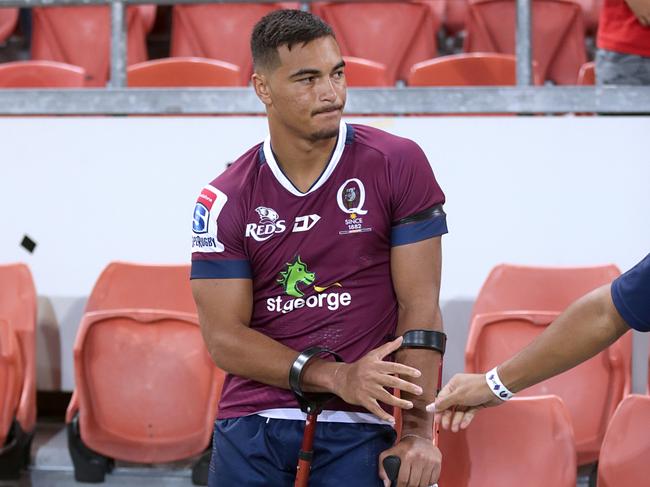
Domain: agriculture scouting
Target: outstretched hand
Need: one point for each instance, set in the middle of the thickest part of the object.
(363, 382)
(460, 399)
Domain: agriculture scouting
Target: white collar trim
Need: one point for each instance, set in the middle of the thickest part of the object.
(331, 165)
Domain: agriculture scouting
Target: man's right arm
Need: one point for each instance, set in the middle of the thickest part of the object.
(225, 308)
(641, 10)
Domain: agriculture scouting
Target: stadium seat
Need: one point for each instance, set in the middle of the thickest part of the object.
(140, 317)
(395, 34)
(591, 391)
(8, 21)
(474, 69)
(450, 13)
(218, 32)
(526, 442)
(148, 15)
(515, 287)
(182, 71)
(624, 456)
(17, 367)
(362, 72)
(587, 74)
(558, 35)
(41, 74)
(591, 13)
(81, 36)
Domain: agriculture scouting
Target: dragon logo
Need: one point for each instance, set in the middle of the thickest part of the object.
(295, 274)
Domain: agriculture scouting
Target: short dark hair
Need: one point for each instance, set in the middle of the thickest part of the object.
(282, 27)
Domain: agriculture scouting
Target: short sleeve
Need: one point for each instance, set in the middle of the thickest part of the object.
(631, 295)
(416, 198)
(218, 250)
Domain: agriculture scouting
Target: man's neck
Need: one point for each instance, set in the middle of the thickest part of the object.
(301, 160)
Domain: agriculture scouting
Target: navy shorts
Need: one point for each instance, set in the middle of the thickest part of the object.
(254, 451)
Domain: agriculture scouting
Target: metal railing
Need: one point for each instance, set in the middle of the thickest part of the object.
(117, 99)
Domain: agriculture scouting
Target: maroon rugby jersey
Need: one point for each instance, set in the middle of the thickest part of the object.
(320, 260)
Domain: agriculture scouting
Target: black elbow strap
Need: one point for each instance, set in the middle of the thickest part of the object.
(426, 339)
(310, 402)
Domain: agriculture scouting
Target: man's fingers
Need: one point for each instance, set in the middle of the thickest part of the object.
(400, 369)
(402, 385)
(444, 402)
(374, 407)
(467, 418)
(388, 398)
(388, 348)
(456, 420)
(445, 420)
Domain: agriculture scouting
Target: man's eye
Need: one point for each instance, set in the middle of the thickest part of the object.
(338, 74)
(308, 80)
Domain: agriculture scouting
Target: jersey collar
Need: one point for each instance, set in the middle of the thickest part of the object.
(329, 169)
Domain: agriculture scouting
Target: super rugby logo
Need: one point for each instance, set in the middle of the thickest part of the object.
(269, 224)
(297, 278)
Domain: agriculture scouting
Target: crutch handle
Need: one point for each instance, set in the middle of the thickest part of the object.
(391, 465)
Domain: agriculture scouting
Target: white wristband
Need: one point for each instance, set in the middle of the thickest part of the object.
(496, 386)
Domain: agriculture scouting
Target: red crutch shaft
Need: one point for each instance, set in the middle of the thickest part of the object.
(306, 452)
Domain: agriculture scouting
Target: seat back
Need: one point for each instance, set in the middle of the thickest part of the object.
(558, 35)
(81, 36)
(18, 310)
(527, 441)
(218, 32)
(185, 71)
(624, 456)
(41, 74)
(450, 13)
(473, 69)
(591, 391)
(8, 21)
(517, 287)
(11, 377)
(363, 72)
(396, 34)
(587, 74)
(142, 317)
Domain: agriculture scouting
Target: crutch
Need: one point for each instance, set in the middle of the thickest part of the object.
(311, 404)
(429, 340)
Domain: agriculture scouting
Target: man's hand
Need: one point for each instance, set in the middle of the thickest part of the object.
(420, 465)
(363, 382)
(641, 10)
(460, 399)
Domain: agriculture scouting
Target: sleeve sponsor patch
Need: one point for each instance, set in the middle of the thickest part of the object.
(204, 225)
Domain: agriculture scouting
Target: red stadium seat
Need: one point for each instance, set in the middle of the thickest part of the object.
(148, 15)
(591, 391)
(41, 74)
(450, 13)
(474, 69)
(624, 456)
(362, 72)
(182, 71)
(17, 366)
(395, 34)
(218, 32)
(558, 34)
(590, 13)
(140, 317)
(525, 442)
(8, 21)
(81, 36)
(587, 74)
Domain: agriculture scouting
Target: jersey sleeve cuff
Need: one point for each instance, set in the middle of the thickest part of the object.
(220, 269)
(626, 313)
(408, 233)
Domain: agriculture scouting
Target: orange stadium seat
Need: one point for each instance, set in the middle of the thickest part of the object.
(558, 34)
(140, 317)
(552, 289)
(527, 441)
(473, 69)
(148, 15)
(41, 74)
(81, 36)
(363, 72)
(624, 456)
(395, 34)
(450, 13)
(8, 21)
(590, 13)
(591, 391)
(587, 74)
(17, 367)
(218, 32)
(182, 71)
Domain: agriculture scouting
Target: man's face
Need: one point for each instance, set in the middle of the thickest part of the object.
(306, 92)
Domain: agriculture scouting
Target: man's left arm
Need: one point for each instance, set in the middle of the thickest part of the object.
(415, 270)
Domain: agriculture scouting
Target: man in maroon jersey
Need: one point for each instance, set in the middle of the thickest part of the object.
(326, 234)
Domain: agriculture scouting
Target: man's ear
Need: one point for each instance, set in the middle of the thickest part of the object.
(261, 86)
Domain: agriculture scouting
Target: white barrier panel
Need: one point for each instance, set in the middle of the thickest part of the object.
(529, 190)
